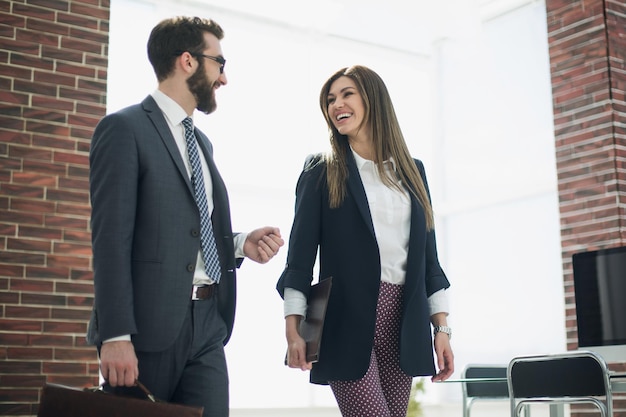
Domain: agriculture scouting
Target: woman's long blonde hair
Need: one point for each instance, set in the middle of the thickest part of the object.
(386, 135)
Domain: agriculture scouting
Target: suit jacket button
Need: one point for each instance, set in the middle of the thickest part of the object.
(191, 267)
(195, 233)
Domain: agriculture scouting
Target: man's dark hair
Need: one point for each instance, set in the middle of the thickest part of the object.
(171, 37)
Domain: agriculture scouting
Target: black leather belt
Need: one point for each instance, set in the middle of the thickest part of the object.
(203, 292)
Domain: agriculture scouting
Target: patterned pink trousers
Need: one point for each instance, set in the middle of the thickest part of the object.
(384, 390)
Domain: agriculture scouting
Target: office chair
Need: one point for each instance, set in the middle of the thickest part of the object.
(558, 379)
(473, 391)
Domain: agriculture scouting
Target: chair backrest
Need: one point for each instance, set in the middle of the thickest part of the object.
(572, 374)
(497, 389)
(572, 377)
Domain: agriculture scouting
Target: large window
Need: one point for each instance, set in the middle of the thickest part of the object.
(473, 99)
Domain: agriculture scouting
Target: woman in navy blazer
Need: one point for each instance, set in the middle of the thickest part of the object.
(366, 207)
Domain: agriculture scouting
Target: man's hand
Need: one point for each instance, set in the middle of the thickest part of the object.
(118, 363)
(262, 244)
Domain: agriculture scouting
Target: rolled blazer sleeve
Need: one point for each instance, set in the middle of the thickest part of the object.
(305, 232)
(435, 277)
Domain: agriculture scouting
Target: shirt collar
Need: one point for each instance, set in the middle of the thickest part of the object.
(361, 162)
(170, 108)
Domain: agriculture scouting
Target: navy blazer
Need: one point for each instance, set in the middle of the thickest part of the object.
(348, 251)
(145, 230)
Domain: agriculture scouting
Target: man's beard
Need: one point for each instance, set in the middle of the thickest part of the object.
(203, 91)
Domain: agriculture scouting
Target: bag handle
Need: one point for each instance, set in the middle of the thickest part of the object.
(146, 391)
(141, 386)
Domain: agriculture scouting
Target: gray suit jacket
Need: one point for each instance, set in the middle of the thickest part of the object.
(145, 230)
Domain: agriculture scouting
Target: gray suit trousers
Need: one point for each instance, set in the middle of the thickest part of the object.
(193, 370)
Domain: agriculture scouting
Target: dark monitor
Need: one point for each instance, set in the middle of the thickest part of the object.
(600, 293)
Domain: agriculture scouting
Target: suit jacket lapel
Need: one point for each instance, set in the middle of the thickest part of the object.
(219, 188)
(355, 187)
(221, 208)
(156, 116)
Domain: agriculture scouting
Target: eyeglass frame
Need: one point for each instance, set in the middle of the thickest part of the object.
(219, 59)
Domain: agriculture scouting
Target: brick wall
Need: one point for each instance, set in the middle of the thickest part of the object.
(587, 42)
(53, 67)
(53, 60)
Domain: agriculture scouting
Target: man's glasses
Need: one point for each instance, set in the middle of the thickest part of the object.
(217, 59)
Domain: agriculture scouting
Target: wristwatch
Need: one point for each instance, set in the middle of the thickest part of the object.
(443, 329)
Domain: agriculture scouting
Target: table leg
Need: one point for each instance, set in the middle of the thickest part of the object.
(557, 410)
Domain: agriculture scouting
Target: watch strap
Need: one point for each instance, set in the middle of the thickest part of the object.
(443, 329)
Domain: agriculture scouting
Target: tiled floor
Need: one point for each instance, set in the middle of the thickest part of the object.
(479, 409)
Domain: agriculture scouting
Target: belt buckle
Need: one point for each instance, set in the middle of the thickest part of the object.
(194, 293)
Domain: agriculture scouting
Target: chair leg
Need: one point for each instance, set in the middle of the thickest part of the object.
(466, 411)
(522, 409)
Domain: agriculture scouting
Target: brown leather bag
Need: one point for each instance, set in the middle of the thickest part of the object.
(63, 401)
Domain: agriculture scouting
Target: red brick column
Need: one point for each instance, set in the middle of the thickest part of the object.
(587, 43)
(53, 67)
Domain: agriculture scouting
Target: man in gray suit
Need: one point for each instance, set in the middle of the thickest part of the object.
(164, 252)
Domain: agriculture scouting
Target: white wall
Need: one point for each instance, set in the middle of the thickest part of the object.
(496, 190)
(473, 98)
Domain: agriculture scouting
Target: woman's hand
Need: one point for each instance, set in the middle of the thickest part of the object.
(296, 346)
(445, 357)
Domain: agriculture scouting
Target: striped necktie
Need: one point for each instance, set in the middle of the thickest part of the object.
(207, 239)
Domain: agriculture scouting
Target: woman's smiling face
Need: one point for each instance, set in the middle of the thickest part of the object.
(345, 107)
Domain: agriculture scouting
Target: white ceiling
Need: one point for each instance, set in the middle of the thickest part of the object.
(416, 23)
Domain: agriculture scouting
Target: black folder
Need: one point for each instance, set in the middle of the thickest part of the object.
(311, 327)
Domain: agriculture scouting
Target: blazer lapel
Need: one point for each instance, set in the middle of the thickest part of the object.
(219, 188)
(355, 187)
(221, 207)
(221, 210)
(156, 116)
